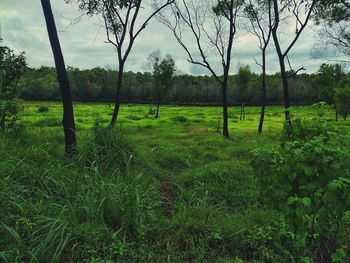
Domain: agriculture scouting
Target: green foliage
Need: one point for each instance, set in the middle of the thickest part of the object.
(321, 108)
(59, 211)
(186, 195)
(243, 79)
(98, 84)
(342, 99)
(328, 78)
(9, 113)
(12, 67)
(307, 180)
(110, 150)
(163, 74)
(333, 11)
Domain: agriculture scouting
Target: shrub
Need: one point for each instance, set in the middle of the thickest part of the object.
(321, 108)
(303, 131)
(308, 180)
(9, 113)
(342, 99)
(43, 109)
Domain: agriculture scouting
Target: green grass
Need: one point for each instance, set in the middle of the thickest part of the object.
(170, 189)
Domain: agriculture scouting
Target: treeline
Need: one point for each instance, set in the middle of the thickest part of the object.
(98, 84)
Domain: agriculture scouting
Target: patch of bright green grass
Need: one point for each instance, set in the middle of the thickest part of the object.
(170, 189)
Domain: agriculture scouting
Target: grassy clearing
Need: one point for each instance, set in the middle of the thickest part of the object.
(155, 190)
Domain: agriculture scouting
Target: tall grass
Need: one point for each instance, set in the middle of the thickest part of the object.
(57, 210)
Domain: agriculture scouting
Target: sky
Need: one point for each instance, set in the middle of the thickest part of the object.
(84, 43)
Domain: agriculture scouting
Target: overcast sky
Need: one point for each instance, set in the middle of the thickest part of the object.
(23, 29)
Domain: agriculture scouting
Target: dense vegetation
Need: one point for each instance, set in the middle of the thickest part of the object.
(98, 84)
(172, 189)
(198, 183)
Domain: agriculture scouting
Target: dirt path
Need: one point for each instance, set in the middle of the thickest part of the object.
(168, 191)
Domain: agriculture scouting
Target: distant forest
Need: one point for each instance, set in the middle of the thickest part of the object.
(99, 84)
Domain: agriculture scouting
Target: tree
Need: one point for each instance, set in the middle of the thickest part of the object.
(12, 67)
(122, 28)
(300, 11)
(334, 17)
(212, 27)
(243, 79)
(328, 79)
(163, 74)
(259, 14)
(342, 99)
(68, 113)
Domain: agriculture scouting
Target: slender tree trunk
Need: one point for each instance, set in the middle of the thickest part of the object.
(2, 121)
(244, 111)
(285, 91)
(158, 104)
(263, 98)
(68, 113)
(15, 87)
(241, 114)
(281, 58)
(117, 98)
(224, 107)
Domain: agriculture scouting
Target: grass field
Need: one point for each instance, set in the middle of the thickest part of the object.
(170, 189)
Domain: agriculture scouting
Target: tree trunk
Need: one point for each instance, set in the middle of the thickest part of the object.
(263, 98)
(224, 107)
(117, 98)
(68, 113)
(157, 114)
(2, 121)
(285, 91)
(14, 90)
(281, 58)
(243, 111)
(241, 114)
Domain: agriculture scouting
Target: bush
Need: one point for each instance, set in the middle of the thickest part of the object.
(308, 180)
(321, 108)
(303, 131)
(342, 99)
(9, 113)
(43, 109)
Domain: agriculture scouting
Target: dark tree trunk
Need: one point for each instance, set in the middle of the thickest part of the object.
(68, 113)
(2, 121)
(117, 98)
(263, 98)
(281, 58)
(14, 92)
(241, 114)
(244, 111)
(285, 91)
(224, 107)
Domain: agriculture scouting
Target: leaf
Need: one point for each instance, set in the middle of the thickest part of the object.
(292, 200)
(306, 201)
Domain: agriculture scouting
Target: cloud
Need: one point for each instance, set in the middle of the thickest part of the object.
(84, 44)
